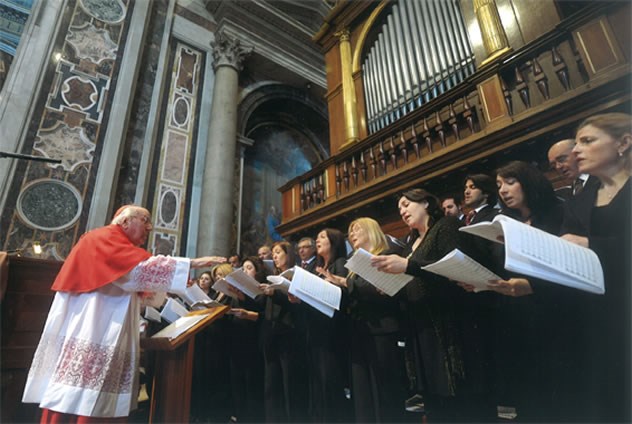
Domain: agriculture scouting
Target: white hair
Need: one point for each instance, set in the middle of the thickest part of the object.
(125, 212)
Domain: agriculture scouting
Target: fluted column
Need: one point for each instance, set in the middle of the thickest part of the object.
(216, 206)
(494, 37)
(348, 89)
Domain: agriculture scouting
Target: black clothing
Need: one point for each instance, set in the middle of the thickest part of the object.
(431, 305)
(327, 358)
(603, 388)
(378, 370)
(285, 394)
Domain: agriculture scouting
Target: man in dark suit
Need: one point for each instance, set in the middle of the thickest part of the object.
(479, 198)
(307, 253)
(562, 159)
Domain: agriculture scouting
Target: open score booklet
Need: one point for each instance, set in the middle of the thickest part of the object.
(536, 253)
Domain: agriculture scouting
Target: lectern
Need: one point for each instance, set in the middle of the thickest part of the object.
(171, 388)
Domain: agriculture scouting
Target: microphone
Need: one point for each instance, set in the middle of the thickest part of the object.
(28, 157)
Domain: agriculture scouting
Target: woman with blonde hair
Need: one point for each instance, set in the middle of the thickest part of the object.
(599, 218)
(378, 374)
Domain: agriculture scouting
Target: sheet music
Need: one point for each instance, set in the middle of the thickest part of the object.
(556, 259)
(279, 282)
(152, 314)
(360, 263)
(492, 231)
(459, 267)
(180, 326)
(539, 254)
(315, 288)
(222, 286)
(194, 294)
(173, 310)
(269, 264)
(248, 285)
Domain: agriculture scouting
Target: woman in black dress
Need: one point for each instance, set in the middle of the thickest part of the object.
(530, 340)
(378, 371)
(599, 219)
(431, 304)
(327, 349)
(285, 394)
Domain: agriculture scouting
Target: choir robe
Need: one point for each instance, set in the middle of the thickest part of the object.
(87, 360)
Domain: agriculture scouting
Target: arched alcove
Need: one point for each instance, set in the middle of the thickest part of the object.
(290, 135)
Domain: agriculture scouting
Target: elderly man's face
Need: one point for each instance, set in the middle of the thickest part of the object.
(138, 226)
(562, 159)
(264, 252)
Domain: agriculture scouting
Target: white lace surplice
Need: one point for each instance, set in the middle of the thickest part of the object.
(86, 362)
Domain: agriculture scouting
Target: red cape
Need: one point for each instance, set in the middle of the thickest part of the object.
(101, 256)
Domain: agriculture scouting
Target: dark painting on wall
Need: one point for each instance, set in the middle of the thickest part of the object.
(277, 155)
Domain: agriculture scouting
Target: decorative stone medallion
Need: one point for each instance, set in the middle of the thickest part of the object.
(109, 11)
(79, 93)
(92, 43)
(49, 205)
(71, 145)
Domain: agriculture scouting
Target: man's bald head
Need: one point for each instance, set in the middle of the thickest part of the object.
(562, 159)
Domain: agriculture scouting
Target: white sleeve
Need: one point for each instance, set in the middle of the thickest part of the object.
(157, 274)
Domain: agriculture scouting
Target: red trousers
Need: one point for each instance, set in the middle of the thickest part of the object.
(53, 417)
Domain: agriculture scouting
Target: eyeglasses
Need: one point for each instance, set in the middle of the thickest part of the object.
(146, 219)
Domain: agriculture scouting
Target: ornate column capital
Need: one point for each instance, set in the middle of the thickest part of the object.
(344, 35)
(229, 52)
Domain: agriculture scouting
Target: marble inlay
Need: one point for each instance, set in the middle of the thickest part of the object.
(79, 92)
(163, 243)
(168, 206)
(181, 112)
(71, 145)
(49, 205)
(110, 11)
(92, 43)
(175, 157)
(187, 70)
(63, 90)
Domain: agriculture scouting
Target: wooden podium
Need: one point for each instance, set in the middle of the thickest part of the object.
(171, 389)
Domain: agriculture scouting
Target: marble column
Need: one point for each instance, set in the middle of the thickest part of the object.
(216, 206)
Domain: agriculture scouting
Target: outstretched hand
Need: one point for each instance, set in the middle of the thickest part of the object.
(207, 261)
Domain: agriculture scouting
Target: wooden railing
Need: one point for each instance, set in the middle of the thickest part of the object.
(545, 78)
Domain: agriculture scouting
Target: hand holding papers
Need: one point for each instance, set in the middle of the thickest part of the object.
(316, 292)
(360, 263)
(459, 267)
(536, 253)
(197, 299)
(245, 283)
(280, 282)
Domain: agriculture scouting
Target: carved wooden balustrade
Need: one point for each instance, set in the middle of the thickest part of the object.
(504, 103)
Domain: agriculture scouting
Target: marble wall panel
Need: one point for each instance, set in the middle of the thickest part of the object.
(170, 207)
(50, 201)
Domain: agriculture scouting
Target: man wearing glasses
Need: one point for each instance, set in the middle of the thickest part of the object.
(86, 363)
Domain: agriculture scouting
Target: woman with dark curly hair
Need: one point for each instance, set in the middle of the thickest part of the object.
(431, 303)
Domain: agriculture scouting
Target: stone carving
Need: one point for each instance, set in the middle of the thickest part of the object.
(49, 205)
(229, 52)
(79, 93)
(109, 11)
(71, 145)
(92, 43)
